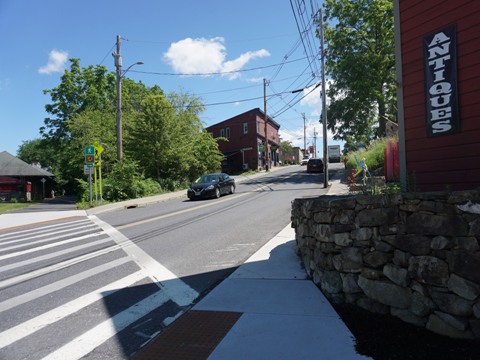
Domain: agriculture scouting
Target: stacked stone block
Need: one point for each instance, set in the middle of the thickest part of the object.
(415, 256)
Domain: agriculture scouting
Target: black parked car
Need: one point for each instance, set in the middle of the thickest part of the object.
(315, 165)
(211, 186)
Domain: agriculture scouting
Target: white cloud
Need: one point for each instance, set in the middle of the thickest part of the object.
(204, 56)
(56, 62)
(241, 61)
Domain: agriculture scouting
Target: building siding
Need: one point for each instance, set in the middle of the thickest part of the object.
(448, 161)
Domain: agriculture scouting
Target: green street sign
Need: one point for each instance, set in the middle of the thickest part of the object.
(89, 150)
(89, 155)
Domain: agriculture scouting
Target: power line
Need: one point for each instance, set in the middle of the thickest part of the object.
(305, 30)
(296, 102)
(212, 73)
(108, 53)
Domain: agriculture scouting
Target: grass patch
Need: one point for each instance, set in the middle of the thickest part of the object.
(7, 207)
(373, 155)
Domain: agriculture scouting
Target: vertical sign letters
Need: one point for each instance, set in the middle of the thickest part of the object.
(441, 96)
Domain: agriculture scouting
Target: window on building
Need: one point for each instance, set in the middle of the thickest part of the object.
(222, 132)
(245, 128)
(227, 133)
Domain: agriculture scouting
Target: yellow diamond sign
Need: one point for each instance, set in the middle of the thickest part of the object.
(98, 149)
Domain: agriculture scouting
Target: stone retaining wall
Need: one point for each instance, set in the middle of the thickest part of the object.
(415, 256)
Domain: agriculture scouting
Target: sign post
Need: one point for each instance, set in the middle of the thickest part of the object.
(89, 160)
(43, 180)
(98, 167)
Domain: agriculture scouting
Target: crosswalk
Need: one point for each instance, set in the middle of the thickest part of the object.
(81, 289)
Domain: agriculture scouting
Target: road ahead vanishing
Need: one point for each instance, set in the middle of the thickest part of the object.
(103, 286)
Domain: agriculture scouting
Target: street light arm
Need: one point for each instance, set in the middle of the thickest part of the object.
(137, 63)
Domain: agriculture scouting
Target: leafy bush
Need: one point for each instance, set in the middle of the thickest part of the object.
(83, 191)
(169, 185)
(148, 187)
(123, 181)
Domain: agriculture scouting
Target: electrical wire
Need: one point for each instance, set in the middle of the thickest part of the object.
(212, 73)
(108, 53)
(305, 26)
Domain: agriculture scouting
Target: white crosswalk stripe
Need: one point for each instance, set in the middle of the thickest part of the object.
(47, 289)
(48, 246)
(78, 254)
(85, 343)
(29, 327)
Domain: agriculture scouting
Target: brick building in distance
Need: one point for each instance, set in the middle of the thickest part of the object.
(246, 138)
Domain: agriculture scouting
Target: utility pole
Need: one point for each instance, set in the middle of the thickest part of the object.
(324, 107)
(304, 135)
(267, 157)
(314, 143)
(118, 64)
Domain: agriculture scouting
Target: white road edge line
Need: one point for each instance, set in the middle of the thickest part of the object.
(178, 291)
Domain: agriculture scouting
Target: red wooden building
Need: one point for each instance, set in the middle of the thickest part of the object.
(246, 138)
(23, 181)
(438, 72)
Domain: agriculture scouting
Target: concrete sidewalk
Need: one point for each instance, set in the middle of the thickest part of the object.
(266, 309)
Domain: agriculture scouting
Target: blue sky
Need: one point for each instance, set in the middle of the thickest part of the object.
(231, 46)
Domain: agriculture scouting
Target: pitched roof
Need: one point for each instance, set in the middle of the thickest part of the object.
(12, 166)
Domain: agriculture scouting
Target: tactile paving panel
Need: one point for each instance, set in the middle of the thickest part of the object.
(191, 337)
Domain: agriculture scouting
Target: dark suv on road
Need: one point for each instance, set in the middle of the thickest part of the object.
(315, 165)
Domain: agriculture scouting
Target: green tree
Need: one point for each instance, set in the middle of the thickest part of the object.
(80, 89)
(168, 140)
(286, 146)
(151, 137)
(83, 111)
(164, 138)
(36, 151)
(197, 149)
(91, 88)
(94, 126)
(360, 59)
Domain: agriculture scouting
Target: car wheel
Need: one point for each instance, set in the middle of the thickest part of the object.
(217, 193)
(232, 189)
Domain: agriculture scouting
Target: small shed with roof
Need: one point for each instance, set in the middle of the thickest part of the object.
(20, 180)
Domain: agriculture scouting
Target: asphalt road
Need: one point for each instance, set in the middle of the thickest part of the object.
(203, 241)
(101, 286)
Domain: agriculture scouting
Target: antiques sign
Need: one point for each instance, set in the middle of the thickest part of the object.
(441, 93)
